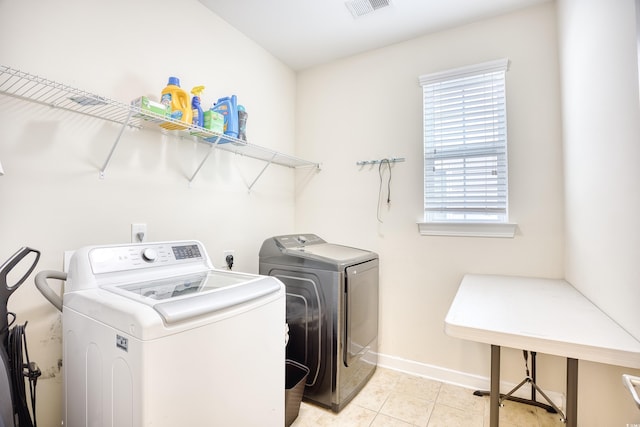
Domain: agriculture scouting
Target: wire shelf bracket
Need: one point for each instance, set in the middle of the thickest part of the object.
(261, 172)
(115, 144)
(211, 150)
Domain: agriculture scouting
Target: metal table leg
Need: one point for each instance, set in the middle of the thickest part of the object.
(572, 392)
(494, 397)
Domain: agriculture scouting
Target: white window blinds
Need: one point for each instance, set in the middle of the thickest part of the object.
(465, 144)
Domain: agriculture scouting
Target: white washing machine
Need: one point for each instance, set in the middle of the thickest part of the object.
(153, 335)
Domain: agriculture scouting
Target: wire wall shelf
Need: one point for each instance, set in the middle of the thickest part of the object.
(32, 88)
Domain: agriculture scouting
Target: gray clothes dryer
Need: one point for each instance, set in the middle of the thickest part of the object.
(332, 312)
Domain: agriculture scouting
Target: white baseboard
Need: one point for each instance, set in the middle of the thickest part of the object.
(461, 379)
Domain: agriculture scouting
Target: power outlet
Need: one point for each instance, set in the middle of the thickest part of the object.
(138, 233)
(229, 258)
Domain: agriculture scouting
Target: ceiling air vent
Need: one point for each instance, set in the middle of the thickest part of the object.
(360, 8)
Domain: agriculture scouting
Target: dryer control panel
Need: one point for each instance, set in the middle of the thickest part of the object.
(298, 240)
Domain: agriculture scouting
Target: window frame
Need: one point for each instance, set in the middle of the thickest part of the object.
(442, 222)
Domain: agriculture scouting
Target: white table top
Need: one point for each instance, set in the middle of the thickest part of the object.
(544, 315)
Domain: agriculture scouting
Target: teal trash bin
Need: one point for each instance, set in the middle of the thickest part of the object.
(295, 381)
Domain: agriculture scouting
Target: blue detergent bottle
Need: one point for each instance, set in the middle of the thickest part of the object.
(228, 107)
(198, 116)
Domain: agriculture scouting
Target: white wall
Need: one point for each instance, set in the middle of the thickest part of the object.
(51, 196)
(601, 117)
(370, 107)
(601, 136)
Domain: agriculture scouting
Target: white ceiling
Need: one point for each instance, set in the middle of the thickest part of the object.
(303, 33)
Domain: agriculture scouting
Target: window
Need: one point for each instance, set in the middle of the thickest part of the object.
(465, 145)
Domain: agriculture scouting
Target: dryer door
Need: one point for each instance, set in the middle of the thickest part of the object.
(361, 310)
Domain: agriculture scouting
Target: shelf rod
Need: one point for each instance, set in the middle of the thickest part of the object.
(213, 147)
(376, 162)
(115, 144)
(262, 171)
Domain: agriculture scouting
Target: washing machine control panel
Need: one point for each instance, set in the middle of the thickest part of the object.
(110, 259)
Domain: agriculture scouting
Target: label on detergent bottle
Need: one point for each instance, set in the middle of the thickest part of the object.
(196, 117)
(166, 100)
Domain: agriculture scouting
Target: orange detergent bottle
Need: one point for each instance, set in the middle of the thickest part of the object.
(178, 99)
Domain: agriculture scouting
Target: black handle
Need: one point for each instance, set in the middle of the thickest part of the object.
(6, 291)
(10, 264)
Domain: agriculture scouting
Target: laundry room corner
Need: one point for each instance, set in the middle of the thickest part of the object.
(369, 107)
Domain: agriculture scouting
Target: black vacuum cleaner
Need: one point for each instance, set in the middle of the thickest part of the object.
(15, 365)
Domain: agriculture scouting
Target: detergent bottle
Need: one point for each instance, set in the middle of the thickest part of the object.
(178, 99)
(242, 123)
(228, 107)
(198, 116)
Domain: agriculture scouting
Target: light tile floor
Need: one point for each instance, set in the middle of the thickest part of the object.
(395, 399)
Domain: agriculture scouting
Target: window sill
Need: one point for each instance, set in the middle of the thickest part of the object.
(467, 229)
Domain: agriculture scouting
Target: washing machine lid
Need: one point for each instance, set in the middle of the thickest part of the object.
(184, 297)
(330, 253)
